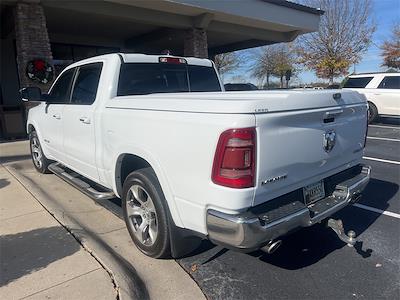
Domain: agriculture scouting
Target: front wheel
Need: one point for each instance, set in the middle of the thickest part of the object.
(39, 160)
(145, 212)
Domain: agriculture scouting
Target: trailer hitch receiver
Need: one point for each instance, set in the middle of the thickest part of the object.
(337, 227)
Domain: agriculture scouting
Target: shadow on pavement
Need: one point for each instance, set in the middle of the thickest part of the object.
(378, 193)
(26, 252)
(14, 158)
(387, 121)
(4, 182)
(308, 246)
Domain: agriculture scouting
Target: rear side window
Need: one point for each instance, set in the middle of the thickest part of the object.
(61, 89)
(148, 78)
(203, 79)
(390, 82)
(357, 82)
(86, 84)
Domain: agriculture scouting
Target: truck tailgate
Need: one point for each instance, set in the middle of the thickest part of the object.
(291, 152)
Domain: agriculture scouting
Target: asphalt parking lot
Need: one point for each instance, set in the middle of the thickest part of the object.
(314, 263)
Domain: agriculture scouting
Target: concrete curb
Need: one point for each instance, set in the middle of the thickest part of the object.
(126, 282)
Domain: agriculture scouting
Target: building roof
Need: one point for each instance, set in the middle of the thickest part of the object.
(297, 6)
(142, 25)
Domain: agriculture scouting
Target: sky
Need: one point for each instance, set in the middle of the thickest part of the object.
(385, 13)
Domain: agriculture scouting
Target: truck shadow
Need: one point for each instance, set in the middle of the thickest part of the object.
(14, 158)
(309, 245)
(4, 182)
(26, 252)
(387, 121)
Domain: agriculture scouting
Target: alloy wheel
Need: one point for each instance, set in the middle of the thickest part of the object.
(37, 154)
(142, 215)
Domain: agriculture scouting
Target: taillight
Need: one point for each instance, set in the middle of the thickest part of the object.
(235, 158)
(172, 60)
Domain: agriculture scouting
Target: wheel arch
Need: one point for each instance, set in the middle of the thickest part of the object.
(127, 162)
(373, 112)
(374, 104)
(30, 127)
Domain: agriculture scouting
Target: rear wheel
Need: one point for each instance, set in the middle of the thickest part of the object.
(372, 112)
(145, 213)
(39, 160)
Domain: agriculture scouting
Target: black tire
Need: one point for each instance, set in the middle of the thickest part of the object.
(39, 160)
(145, 181)
(372, 113)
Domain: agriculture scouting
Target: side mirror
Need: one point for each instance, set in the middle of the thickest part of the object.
(32, 93)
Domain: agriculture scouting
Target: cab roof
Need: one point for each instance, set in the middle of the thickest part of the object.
(373, 74)
(145, 58)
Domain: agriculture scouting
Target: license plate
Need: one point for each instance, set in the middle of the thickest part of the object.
(314, 192)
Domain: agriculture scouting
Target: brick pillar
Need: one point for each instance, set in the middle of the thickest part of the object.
(195, 43)
(32, 40)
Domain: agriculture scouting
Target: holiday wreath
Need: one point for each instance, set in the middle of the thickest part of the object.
(39, 70)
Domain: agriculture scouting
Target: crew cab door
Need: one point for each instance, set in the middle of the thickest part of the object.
(51, 125)
(79, 126)
(388, 94)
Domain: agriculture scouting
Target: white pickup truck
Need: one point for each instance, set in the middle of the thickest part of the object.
(190, 160)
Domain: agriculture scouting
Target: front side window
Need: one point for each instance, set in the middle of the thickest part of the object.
(61, 89)
(148, 78)
(357, 82)
(390, 82)
(86, 84)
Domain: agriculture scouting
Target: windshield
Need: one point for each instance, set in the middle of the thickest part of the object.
(148, 78)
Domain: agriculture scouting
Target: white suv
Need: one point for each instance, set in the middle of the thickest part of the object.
(382, 91)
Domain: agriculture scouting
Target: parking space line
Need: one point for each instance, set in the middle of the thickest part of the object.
(379, 211)
(382, 160)
(381, 126)
(382, 139)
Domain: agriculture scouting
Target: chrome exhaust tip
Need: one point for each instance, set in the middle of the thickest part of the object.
(272, 246)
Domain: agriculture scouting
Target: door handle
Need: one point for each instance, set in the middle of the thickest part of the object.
(333, 113)
(57, 116)
(377, 94)
(84, 120)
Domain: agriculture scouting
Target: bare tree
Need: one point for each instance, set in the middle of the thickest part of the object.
(265, 60)
(344, 35)
(227, 62)
(274, 60)
(285, 62)
(391, 49)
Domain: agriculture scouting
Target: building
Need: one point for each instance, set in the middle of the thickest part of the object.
(59, 32)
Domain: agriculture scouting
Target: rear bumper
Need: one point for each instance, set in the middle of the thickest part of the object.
(256, 227)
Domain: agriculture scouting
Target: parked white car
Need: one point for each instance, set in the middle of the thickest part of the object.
(382, 91)
(190, 160)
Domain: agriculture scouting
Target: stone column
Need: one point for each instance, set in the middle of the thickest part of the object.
(195, 43)
(32, 40)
